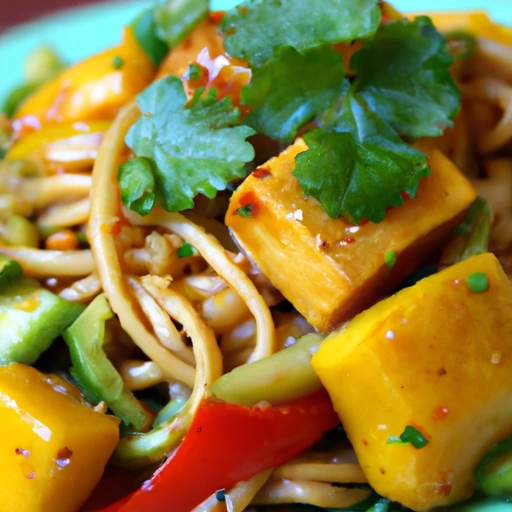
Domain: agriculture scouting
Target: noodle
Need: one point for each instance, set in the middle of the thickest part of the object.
(44, 263)
(216, 256)
(238, 498)
(104, 216)
(164, 328)
(139, 375)
(82, 291)
(66, 215)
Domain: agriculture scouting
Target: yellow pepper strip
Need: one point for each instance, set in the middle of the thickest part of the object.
(477, 23)
(38, 141)
(95, 88)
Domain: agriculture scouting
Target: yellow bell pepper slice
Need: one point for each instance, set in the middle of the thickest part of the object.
(50, 134)
(95, 88)
(477, 23)
(54, 446)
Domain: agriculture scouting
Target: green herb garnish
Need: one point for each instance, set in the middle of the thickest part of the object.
(410, 435)
(186, 250)
(245, 211)
(478, 282)
(196, 148)
(193, 73)
(390, 259)
(117, 62)
(292, 89)
(137, 184)
(255, 28)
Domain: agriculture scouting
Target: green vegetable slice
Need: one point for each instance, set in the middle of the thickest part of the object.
(292, 89)
(176, 18)
(145, 30)
(494, 473)
(137, 185)
(194, 149)
(94, 371)
(255, 28)
(403, 75)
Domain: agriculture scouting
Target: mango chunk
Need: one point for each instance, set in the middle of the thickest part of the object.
(327, 268)
(436, 357)
(54, 446)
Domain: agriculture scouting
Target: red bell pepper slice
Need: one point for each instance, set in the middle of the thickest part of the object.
(227, 444)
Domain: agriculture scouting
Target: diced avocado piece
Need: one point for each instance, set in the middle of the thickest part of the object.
(94, 372)
(10, 270)
(30, 319)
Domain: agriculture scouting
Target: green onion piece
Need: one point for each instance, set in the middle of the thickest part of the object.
(390, 259)
(193, 73)
(244, 211)
(478, 282)
(410, 435)
(221, 495)
(117, 62)
(42, 65)
(414, 436)
(186, 250)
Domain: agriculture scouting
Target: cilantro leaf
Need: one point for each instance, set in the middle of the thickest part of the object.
(176, 18)
(403, 76)
(255, 28)
(194, 149)
(137, 185)
(362, 168)
(291, 89)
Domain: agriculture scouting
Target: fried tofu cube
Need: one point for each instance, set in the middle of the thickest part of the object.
(435, 359)
(327, 268)
(54, 446)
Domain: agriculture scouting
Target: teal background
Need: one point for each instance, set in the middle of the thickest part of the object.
(80, 32)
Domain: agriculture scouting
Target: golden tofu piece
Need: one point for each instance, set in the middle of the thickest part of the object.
(437, 358)
(54, 447)
(327, 268)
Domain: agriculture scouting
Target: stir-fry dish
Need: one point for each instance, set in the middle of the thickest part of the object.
(260, 260)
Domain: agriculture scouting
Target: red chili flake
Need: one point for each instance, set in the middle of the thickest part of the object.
(247, 198)
(217, 16)
(21, 451)
(199, 430)
(230, 31)
(405, 196)
(441, 372)
(32, 475)
(440, 413)
(261, 173)
(347, 240)
(443, 488)
(365, 442)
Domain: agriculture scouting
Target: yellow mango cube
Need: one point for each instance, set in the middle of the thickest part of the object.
(436, 357)
(327, 268)
(54, 447)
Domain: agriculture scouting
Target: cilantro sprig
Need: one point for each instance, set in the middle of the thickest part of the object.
(255, 28)
(291, 89)
(366, 166)
(403, 76)
(193, 149)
